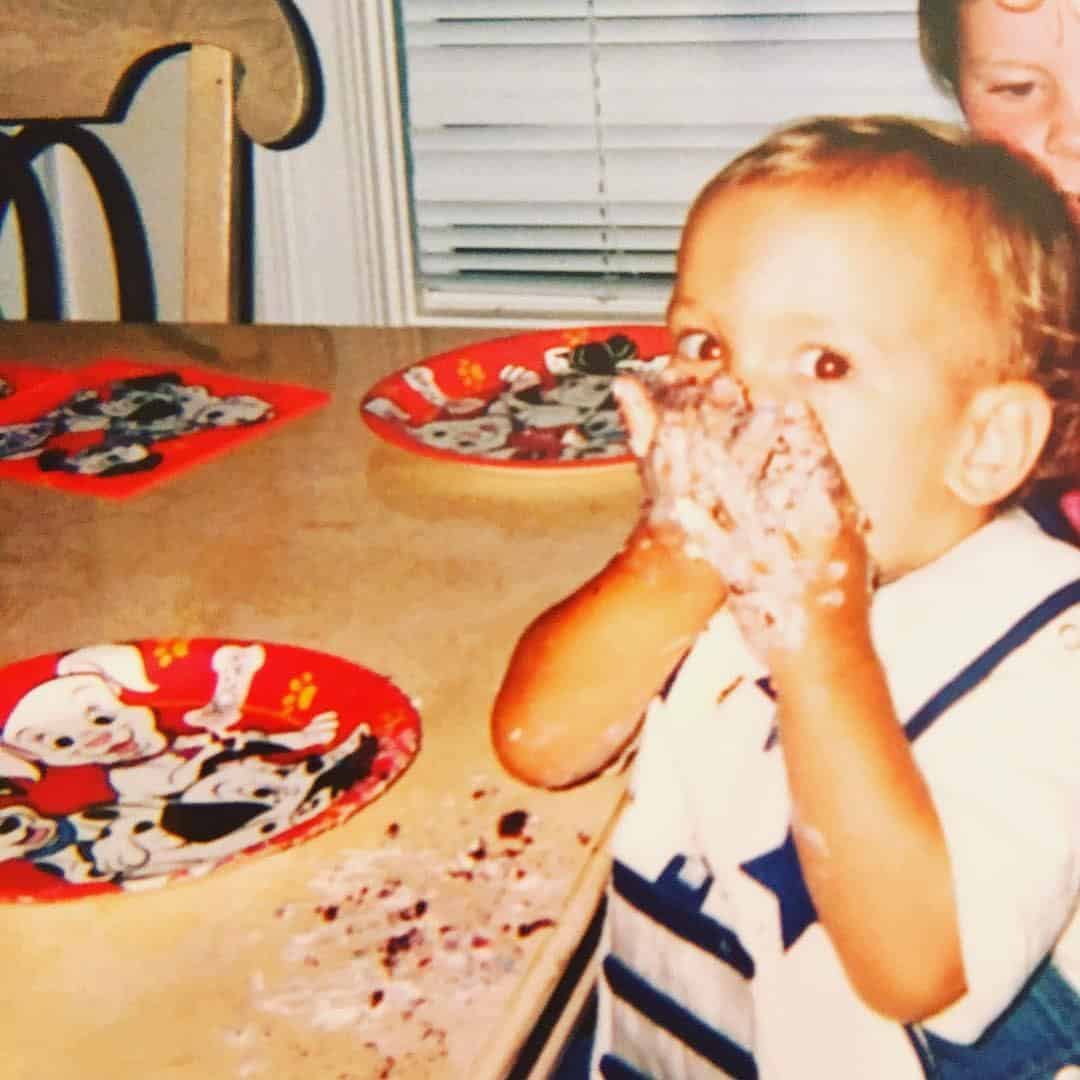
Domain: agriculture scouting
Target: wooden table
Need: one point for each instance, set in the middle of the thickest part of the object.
(321, 536)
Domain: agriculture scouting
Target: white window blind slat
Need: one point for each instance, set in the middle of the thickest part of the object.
(520, 237)
(666, 176)
(551, 261)
(552, 137)
(547, 214)
(556, 144)
(470, 33)
(430, 10)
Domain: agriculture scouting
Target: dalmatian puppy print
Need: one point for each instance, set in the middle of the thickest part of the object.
(539, 398)
(127, 765)
(130, 415)
(115, 427)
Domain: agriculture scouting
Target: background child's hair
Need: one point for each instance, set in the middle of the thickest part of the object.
(1023, 243)
(939, 41)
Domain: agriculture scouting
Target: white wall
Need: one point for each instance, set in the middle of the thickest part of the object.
(332, 236)
(150, 144)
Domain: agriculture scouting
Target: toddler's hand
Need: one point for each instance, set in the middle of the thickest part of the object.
(756, 492)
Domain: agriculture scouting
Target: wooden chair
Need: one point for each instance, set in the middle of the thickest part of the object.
(73, 60)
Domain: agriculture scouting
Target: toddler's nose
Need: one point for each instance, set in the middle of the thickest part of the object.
(758, 375)
(762, 379)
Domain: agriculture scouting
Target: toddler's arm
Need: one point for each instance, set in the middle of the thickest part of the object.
(870, 843)
(583, 672)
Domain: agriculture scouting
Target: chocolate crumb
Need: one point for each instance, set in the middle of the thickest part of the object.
(398, 943)
(513, 823)
(330, 913)
(414, 912)
(376, 998)
(393, 829)
(525, 929)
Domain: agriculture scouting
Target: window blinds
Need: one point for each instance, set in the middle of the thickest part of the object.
(554, 145)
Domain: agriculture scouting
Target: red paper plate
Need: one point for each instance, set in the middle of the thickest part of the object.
(138, 763)
(117, 427)
(15, 376)
(536, 401)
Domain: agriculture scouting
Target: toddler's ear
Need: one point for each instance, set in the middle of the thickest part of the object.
(1003, 433)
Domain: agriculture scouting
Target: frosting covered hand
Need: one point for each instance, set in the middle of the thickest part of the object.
(756, 492)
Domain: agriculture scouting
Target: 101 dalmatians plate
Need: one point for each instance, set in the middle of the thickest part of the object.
(535, 401)
(134, 764)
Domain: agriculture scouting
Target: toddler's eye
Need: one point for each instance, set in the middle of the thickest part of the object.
(820, 363)
(697, 345)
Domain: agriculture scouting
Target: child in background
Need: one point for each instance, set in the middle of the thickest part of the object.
(853, 837)
(1013, 66)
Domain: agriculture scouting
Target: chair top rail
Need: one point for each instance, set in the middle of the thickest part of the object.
(60, 59)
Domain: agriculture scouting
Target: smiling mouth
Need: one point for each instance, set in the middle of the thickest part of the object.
(126, 747)
(36, 836)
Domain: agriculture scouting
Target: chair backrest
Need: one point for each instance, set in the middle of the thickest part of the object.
(249, 71)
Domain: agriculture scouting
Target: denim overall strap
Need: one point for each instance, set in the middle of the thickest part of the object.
(979, 668)
(1039, 1033)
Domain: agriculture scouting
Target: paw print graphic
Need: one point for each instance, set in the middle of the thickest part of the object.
(301, 694)
(168, 651)
(470, 373)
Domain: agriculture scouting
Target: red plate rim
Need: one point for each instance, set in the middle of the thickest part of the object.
(482, 359)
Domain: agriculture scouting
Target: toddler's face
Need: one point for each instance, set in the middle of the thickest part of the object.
(1020, 81)
(866, 308)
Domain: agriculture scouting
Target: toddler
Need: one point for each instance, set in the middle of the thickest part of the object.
(853, 834)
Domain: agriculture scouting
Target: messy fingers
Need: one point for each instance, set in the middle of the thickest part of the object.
(638, 413)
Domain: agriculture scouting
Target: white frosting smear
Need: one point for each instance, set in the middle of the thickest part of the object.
(757, 493)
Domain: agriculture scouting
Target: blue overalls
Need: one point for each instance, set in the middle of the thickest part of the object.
(1039, 1033)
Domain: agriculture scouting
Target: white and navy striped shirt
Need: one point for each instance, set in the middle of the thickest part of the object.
(715, 962)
